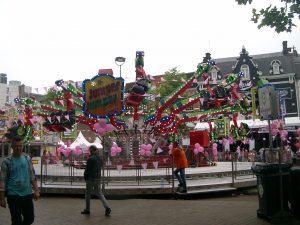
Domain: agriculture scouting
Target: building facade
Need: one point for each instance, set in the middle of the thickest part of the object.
(10, 90)
(281, 69)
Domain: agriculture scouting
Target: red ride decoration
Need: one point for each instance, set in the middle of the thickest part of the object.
(200, 137)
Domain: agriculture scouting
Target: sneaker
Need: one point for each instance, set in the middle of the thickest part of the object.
(183, 191)
(86, 212)
(107, 211)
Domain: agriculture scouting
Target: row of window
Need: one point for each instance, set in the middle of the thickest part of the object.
(275, 69)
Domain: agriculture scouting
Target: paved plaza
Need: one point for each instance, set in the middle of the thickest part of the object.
(235, 210)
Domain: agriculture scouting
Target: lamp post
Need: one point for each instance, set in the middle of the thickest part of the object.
(264, 151)
(120, 61)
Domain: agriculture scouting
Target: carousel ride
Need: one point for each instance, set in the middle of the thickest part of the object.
(146, 122)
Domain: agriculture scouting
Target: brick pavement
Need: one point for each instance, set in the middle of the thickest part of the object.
(237, 210)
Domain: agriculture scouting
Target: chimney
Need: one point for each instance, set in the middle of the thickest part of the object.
(207, 57)
(285, 49)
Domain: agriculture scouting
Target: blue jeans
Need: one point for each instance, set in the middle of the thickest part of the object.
(21, 209)
(181, 178)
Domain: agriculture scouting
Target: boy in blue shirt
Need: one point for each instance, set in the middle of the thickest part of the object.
(16, 178)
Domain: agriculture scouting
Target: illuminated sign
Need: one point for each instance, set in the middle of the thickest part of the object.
(103, 96)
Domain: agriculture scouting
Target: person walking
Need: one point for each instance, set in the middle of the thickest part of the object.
(92, 177)
(181, 163)
(17, 178)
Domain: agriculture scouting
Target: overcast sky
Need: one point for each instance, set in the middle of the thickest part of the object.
(42, 41)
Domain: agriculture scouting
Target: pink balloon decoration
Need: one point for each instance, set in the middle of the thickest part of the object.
(77, 151)
(197, 145)
(114, 150)
(115, 145)
(225, 141)
(246, 141)
(101, 131)
(142, 152)
(149, 147)
(201, 149)
(148, 153)
(61, 149)
(298, 131)
(102, 122)
(143, 146)
(110, 127)
(231, 140)
(283, 134)
(274, 132)
(67, 152)
(274, 125)
(196, 151)
(96, 126)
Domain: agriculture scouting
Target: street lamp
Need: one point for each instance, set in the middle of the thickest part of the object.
(120, 61)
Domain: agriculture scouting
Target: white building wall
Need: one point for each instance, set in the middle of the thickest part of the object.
(3, 94)
(298, 95)
(13, 91)
(28, 89)
(8, 92)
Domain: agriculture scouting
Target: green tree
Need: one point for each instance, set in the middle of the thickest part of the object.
(49, 96)
(172, 80)
(279, 17)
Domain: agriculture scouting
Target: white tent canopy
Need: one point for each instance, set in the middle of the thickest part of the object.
(61, 143)
(80, 141)
(97, 143)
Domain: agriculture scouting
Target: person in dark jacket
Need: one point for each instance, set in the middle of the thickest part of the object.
(92, 177)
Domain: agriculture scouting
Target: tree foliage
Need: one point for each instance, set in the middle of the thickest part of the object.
(278, 17)
(49, 96)
(172, 80)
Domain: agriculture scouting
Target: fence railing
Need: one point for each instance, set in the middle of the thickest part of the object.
(138, 171)
(154, 170)
(240, 165)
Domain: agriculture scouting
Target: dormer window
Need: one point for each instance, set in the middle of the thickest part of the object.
(214, 74)
(275, 66)
(200, 87)
(245, 70)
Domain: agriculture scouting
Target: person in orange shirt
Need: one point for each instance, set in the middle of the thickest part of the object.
(181, 163)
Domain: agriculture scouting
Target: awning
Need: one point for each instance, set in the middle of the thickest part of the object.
(289, 122)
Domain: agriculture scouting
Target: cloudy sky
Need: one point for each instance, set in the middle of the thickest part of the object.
(42, 41)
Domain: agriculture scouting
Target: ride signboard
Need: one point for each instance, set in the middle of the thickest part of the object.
(103, 96)
(268, 102)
